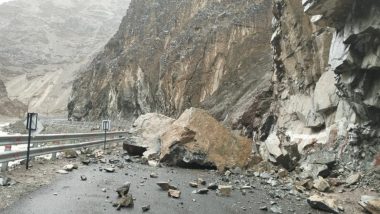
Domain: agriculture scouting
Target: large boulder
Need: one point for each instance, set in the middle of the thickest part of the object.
(196, 139)
(145, 134)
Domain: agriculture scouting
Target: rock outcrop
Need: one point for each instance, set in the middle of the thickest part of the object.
(171, 55)
(326, 73)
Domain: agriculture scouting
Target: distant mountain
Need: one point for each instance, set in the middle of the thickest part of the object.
(44, 42)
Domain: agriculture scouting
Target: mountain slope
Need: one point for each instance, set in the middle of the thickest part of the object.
(43, 43)
(171, 55)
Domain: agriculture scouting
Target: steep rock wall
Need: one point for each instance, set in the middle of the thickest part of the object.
(170, 55)
(326, 74)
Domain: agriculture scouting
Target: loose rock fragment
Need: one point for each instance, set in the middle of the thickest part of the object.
(61, 171)
(145, 208)
(174, 193)
(322, 203)
(353, 179)
(201, 181)
(83, 177)
(202, 191)
(193, 184)
(166, 186)
(86, 161)
(110, 169)
(125, 201)
(370, 203)
(69, 167)
(4, 181)
(123, 190)
(276, 209)
(153, 175)
(212, 186)
(321, 185)
(225, 190)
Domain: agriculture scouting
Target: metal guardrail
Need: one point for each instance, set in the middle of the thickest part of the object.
(23, 139)
(17, 155)
(7, 156)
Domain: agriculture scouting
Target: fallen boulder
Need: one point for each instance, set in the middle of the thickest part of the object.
(323, 203)
(197, 140)
(370, 203)
(145, 134)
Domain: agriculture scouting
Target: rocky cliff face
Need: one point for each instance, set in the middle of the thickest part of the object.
(43, 43)
(326, 73)
(8, 107)
(170, 55)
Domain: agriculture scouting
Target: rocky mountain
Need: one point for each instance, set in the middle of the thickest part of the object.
(171, 55)
(317, 87)
(43, 43)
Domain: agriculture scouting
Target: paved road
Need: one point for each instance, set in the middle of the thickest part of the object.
(76, 196)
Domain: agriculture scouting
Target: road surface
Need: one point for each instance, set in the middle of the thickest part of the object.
(68, 194)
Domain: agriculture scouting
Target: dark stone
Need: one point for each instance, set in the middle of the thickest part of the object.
(134, 150)
(212, 186)
(145, 208)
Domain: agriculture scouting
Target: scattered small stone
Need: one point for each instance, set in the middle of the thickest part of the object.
(61, 171)
(321, 184)
(243, 192)
(353, 179)
(322, 203)
(243, 208)
(4, 181)
(166, 186)
(202, 191)
(55, 194)
(225, 190)
(212, 186)
(123, 190)
(174, 193)
(201, 181)
(265, 208)
(246, 187)
(125, 201)
(282, 173)
(128, 158)
(83, 177)
(69, 167)
(153, 163)
(104, 190)
(145, 208)
(86, 161)
(265, 175)
(276, 209)
(109, 169)
(193, 184)
(153, 175)
(227, 173)
(103, 160)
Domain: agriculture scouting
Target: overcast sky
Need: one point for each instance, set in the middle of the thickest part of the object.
(2, 1)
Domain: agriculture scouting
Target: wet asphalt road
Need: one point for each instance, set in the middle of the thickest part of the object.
(68, 194)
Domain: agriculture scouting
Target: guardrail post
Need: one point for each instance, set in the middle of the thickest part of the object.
(53, 156)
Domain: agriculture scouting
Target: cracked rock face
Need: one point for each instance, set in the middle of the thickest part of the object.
(326, 71)
(171, 55)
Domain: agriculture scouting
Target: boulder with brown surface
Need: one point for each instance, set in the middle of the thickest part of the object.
(145, 134)
(196, 139)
